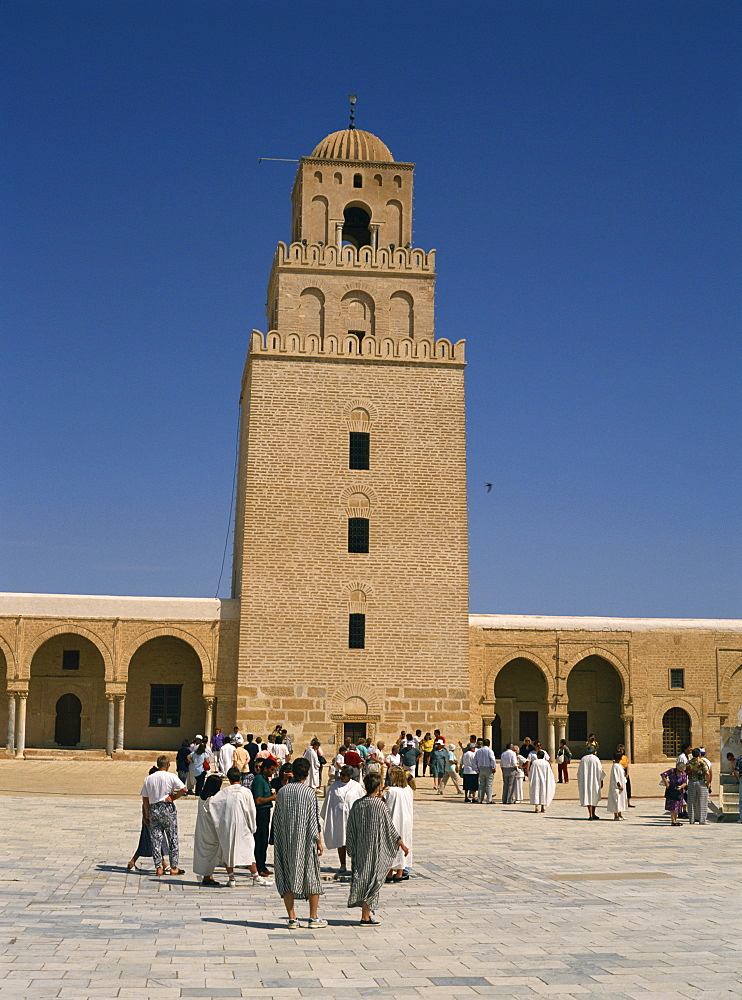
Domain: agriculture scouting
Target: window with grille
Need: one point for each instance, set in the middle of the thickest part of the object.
(164, 704)
(577, 726)
(356, 631)
(675, 731)
(357, 534)
(360, 447)
(677, 678)
(70, 659)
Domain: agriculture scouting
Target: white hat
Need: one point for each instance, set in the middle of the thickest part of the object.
(238, 739)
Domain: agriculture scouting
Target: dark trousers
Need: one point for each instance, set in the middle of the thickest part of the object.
(563, 772)
(262, 832)
(200, 779)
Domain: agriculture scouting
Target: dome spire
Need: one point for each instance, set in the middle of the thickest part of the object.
(352, 99)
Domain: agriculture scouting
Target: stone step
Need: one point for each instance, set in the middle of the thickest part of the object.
(44, 753)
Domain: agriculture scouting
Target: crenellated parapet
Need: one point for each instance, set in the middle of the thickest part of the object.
(348, 347)
(349, 258)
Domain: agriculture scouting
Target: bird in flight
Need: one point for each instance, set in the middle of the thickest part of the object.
(489, 486)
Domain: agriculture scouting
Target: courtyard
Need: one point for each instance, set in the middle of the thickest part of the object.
(502, 902)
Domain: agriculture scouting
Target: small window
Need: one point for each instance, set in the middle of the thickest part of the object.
(70, 659)
(357, 534)
(677, 678)
(357, 181)
(577, 727)
(358, 333)
(360, 447)
(164, 704)
(356, 631)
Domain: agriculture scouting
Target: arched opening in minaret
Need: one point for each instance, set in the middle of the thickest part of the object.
(356, 226)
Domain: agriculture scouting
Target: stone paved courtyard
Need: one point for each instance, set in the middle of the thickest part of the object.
(503, 903)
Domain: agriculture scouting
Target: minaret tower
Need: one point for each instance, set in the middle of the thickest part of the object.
(350, 535)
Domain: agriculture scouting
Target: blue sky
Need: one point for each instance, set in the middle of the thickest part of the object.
(578, 173)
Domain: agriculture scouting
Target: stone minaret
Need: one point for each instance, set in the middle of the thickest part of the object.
(350, 535)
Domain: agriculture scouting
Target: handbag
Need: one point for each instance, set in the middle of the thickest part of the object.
(207, 765)
(673, 794)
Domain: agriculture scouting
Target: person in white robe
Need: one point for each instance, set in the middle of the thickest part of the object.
(311, 754)
(590, 775)
(520, 776)
(340, 796)
(233, 813)
(617, 797)
(541, 784)
(226, 755)
(206, 852)
(399, 799)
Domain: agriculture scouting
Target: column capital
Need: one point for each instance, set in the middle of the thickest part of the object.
(209, 700)
(22, 694)
(109, 696)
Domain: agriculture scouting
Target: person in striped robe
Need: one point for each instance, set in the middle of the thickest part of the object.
(372, 841)
(297, 845)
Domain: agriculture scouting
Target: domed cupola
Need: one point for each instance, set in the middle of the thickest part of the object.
(355, 145)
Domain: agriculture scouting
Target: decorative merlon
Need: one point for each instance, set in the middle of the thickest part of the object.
(349, 347)
(348, 257)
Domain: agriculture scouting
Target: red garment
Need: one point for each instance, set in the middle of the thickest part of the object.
(352, 758)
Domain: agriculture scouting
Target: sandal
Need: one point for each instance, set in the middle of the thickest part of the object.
(177, 871)
(207, 880)
(131, 865)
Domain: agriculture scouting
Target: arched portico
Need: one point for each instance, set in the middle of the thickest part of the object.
(7, 715)
(521, 701)
(165, 695)
(67, 662)
(595, 696)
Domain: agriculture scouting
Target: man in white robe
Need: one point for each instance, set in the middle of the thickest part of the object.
(399, 800)
(341, 795)
(226, 755)
(541, 784)
(232, 811)
(590, 775)
(311, 754)
(617, 797)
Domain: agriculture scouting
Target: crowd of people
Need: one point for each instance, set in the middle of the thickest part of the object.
(253, 792)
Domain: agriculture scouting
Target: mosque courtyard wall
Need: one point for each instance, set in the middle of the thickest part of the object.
(615, 677)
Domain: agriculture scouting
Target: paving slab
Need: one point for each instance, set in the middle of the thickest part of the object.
(502, 902)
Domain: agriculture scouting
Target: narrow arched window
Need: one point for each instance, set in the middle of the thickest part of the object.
(359, 450)
(357, 180)
(356, 631)
(358, 534)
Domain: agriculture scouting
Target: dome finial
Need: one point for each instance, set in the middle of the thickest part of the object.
(352, 99)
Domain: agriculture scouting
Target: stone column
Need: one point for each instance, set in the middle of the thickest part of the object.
(562, 729)
(10, 745)
(374, 231)
(20, 741)
(339, 234)
(487, 727)
(627, 720)
(551, 738)
(209, 717)
(120, 728)
(109, 724)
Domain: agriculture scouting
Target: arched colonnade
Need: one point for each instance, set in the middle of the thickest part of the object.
(553, 697)
(64, 685)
